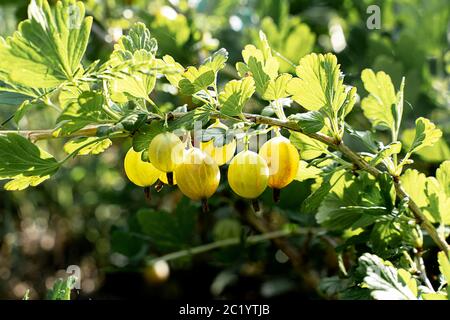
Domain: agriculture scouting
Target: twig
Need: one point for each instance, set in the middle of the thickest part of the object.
(293, 126)
(230, 242)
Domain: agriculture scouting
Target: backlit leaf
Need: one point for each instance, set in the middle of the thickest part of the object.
(23, 162)
(377, 107)
(426, 135)
(134, 64)
(276, 88)
(384, 280)
(235, 94)
(318, 83)
(91, 147)
(48, 47)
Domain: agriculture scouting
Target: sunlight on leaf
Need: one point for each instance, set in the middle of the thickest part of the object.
(318, 83)
(235, 94)
(377, 107)
(23, 162)
(48, 47)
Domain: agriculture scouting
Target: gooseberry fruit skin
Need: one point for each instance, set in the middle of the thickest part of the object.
(248, 174)
(166, 151)
(221, 154)
(198, 176)
(282, 159)
(141, 173)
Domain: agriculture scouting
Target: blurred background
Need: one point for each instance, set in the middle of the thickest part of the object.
(88, 214)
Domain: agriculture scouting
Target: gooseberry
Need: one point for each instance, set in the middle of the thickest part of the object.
(141, 173)
(282, 159)
(248, 174)
(165, 153)
(198, 175)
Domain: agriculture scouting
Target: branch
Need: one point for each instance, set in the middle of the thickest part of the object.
(35, 135)
(363, 165)
(293, 126)
(229, 242)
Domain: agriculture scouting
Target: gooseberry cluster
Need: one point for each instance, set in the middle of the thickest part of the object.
(196, 170)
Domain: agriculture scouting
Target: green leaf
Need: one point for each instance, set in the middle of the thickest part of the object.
(384, 280)
(434, 296)
(309, 148)
(199, 116)
(444, 267)
(86, 109)
(276, 88)
(351, 203)
(306, 172)
(134, 120)
(385, 236)
(133, 63)
(260, 64)
(319, 83)
(142, 138)
(349, 103)
(24, 163)
(12, 98)
(195, 80)
(429, 193)
(138, 38)
(426, 135)
(173, 70)
(169, 232)
(262, 79)
(443, 176)
(217, 60)
(377, 107)
(438, 152)
(364, 137)
(414, 184)
(48, 47)
(333, 215)
(91, 147)
(387, 189)
(309, 122)
(312, 203)
(408, 280)
(438, 201)
(235, 94)
(386, 151)
(62, 288)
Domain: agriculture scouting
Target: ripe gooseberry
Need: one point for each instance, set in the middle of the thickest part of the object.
(198, 176)
(141, 173)
(165, 152)
(248, 175)
(221, 154)
(282, 159)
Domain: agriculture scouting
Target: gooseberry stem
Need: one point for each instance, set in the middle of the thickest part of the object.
(147, 193)
(276, 195)
(169, 176)
(205, 207)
